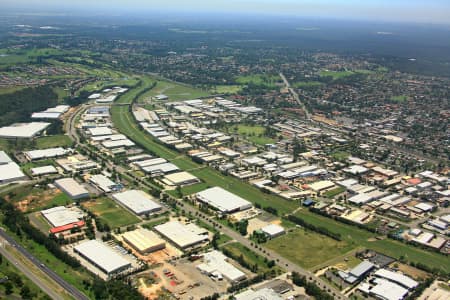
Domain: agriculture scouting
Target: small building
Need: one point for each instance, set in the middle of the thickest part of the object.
(72, 188)
(261, 294)
(102, 257)
(44, 170)
(273, 230)
(144, 241)
(139, 202)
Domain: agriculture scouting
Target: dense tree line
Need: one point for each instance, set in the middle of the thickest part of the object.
(310, 288)
(318, 229)
(114, 289)
(18, 106)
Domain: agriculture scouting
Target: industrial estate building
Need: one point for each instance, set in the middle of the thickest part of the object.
(47, 153)
(139, 202)
(104, 183)
(262, 294)
(102, 257)
(63, 218)
(222, 200)
(144, 241)
(215, 265)
(9, 170)
(23, 130)
(183, 236)
(72, 188)
(273, 230)
(44, 170)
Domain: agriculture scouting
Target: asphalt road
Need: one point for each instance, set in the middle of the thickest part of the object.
(282, 262)
(25, 270)
(75, 293)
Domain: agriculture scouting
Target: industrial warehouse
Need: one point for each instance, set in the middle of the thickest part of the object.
(184, 236)
(222, 200)
(215, 265)
(102, 257)
(139, 202)
(72, 188)
(9, 170)
(144, 241)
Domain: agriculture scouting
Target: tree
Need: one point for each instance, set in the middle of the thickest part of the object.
(25, 292)
(8, 288)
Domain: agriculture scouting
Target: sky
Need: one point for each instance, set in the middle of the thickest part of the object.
(417, 11)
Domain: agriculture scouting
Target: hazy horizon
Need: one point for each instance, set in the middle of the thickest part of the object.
(412, 11)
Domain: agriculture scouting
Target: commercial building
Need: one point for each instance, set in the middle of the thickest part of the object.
(104, 183)
(102, 257)
(144, 241)
(72, 188)
(44, 170)
(273, 230)
(183, 236)
(97, 131)
(398, 278)
(215, 265)
(51, 113)
(262, 294)
(139, 202)
(222, 200)
(180, 178)
(383, 289)
(23, 130)
(60, 215)
(9, 170)
(47, 153)
(358, 272)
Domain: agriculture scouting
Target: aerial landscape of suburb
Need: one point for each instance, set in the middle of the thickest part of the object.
(225, 149)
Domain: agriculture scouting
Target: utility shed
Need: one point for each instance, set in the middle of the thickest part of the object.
(144, 241)
(139, 202)
(183, 236)
(72, 188)
(222, 200)
(215, 264)
(102, 256)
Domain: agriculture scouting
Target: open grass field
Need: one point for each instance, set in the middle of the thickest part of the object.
(249, 256)
(51, 141)
(110, 212)
(268, 81)
(31, 199)
(253, 133)
(190, 189)
(307, 84)
(359, 237)
(226, 89)
(336, 75)
(400, 98)
(331, 193)
(175, 91)
(308, 249)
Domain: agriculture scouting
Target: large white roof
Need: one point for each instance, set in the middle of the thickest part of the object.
(44, 170)
(60, 216)
(223, 200)
(272, 229)
(100, 131)
(182, 235)
(137, 201)
(102, 255)
(10, 172)
(23, 130)
(397, 277)
(388, 290)
(47, 153)
(262, 294)
(4, 158)
(71, 187)
(216, 262)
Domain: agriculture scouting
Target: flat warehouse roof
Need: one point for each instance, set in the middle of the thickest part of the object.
(60, 216)
(181, 177)
(23, 130)
(71, 187)
(47, 153)
(11, 171)
(44, 170)
(102, 256)
(223, 200)
(137, 201)
(182, 235)
(143, 239)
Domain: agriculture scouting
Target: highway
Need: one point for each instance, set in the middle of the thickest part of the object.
(295, 96)
(75, 293)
